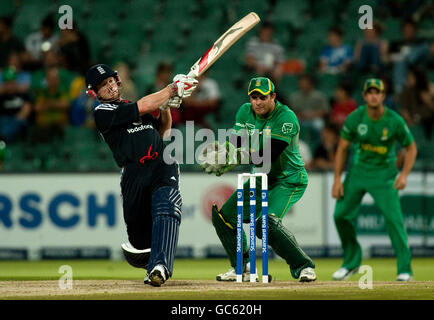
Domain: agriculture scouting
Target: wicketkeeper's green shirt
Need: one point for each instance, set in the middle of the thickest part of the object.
(281, 124)
(375, 139)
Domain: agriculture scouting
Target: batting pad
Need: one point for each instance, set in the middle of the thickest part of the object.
(166, 217)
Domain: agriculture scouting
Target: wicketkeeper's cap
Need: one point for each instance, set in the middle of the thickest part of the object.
(373, 83)
(261, 84)
(96, 74)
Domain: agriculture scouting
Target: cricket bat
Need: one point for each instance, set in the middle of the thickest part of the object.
(223, 44)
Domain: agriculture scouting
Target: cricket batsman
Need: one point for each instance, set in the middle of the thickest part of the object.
(373, 129)
(287, 179)
(149, 187)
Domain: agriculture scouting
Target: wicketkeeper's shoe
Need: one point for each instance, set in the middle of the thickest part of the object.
(344, 273)
(307, 275)
(404, 277)
(158, 275)
(231, 275)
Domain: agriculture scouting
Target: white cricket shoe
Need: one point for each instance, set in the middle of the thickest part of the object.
(307, 275)
(158, 275)
(146, 280)
(231, 275)
(344, 273)
(404, 277)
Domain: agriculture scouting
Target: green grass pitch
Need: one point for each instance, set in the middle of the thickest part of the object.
(195, 279)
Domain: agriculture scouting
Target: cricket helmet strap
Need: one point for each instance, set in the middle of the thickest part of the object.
(95, 75)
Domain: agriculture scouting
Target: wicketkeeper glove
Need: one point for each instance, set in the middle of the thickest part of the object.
(220, 158)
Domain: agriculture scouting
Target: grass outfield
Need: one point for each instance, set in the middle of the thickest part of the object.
(195, 279)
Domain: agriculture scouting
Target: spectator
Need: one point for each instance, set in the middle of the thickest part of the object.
(399, 9)
(406, 52)
(51, 107)
(51, 60)
(8, 42)
(417, 101)
(343, 104)
(129, 90)
(370, 53)
(39, 42)
(23, 78)
(74, 50)
(264, 55)
(324, 155)
(336, 57)
(204, 100)
(310, 105)
(163, 77)
(15, 107)
(305, 153)
(80, 111)
(390, 100)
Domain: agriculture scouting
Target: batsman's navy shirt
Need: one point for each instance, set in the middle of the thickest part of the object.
(133, 139)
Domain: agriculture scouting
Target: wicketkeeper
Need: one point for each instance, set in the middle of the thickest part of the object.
(374, 129)
(150, 192)
(287, 178)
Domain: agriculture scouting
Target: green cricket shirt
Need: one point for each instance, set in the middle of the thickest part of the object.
(281, 124)
(375, 140)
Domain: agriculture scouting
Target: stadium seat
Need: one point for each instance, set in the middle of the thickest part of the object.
(287, 85)
(290, 11)
(244, 7)
(7, 7)
(392, 30)
(310, 137)
(29, 17)
(327, 83)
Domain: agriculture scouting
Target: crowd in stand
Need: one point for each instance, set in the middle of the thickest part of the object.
(42, 88)
(403, 65)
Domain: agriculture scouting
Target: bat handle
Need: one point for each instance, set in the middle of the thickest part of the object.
(191, 74)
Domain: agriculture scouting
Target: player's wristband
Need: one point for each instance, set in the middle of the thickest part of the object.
(173, 89)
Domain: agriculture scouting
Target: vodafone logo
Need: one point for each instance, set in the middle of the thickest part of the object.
(142, 127)
(216, 194)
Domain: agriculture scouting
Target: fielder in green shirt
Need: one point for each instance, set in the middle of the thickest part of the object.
(374, 130)
(287, 178)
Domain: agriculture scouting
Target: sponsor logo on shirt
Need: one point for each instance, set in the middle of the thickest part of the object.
(142, 127)
(375, 149)
(149, 156)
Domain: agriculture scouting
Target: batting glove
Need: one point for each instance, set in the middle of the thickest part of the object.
(183, 86)
(174, 102)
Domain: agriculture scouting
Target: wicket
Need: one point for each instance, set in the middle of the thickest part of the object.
(264, 225)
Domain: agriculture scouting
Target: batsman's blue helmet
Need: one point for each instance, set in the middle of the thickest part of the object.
(96, 74)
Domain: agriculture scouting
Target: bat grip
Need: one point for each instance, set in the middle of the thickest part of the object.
(191, 74)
